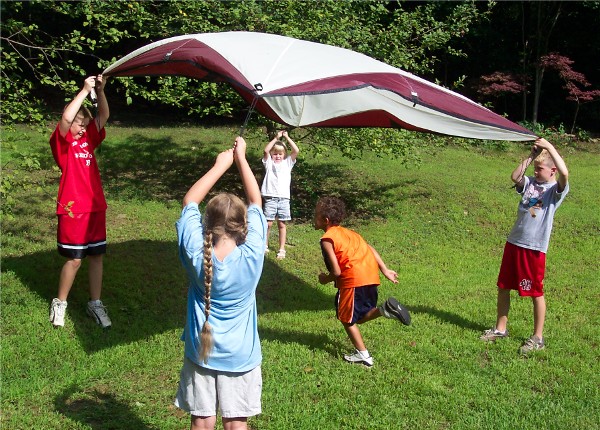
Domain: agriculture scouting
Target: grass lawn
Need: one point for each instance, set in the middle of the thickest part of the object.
(441, 225)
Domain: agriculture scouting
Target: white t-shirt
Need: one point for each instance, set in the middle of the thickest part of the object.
(278, 178)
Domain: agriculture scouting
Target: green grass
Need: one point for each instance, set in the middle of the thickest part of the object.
(441, 225)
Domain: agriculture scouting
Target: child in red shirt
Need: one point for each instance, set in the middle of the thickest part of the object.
(81, 206)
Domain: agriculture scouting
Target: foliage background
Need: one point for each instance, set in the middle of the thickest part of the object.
(49, 46)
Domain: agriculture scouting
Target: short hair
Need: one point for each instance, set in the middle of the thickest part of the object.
(85, 112)
(277, 145)
(333, 208)
(544, 157)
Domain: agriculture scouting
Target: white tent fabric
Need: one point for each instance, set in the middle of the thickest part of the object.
(302, 83)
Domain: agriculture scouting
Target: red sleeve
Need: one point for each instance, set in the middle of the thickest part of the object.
(58, 144)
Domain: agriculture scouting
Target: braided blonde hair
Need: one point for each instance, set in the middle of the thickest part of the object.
(225, 215)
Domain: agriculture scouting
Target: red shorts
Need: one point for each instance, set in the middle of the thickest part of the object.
(352, 304)
(82, 235)
(523, 270)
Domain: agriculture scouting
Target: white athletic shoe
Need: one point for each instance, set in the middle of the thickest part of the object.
(359, 358)
(57, 312)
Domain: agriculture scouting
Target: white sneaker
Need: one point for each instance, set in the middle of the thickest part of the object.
(359, 358)
(97, 311)
(57, 312)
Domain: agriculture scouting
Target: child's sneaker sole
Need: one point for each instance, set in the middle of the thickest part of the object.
(394, 307)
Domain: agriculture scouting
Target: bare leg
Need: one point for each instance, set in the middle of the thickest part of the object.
(95, 276)
(67, 277)
(355, 337)
(503, 306)
(235, 423)
(539, 315)
(203, 423)
(282, 234)
(269, 224)
(371, 315)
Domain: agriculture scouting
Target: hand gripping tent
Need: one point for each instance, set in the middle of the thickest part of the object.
(307, 84)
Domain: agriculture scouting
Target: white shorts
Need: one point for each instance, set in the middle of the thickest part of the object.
(202, 392)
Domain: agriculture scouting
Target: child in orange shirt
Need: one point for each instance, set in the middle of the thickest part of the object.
(354, 266)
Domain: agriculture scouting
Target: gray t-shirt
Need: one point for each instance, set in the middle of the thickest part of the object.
(535, 214)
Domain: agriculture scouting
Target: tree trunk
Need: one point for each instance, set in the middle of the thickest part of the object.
(575, 118)
(544, 24)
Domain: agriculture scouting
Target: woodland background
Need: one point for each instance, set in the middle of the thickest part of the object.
(492, 52)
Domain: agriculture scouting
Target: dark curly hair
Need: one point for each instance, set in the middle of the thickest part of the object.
(333, 208)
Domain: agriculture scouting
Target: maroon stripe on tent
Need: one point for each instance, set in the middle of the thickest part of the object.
(373, 118)
(429, 96)
(184, 57)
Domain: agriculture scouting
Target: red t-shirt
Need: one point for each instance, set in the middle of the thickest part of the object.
(355, 258)
(80, 180)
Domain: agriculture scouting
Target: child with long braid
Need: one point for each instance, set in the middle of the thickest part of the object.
(223, 254)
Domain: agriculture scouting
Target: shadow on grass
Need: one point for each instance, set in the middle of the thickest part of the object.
(98, 409)
(145, 291)
(447, 317)
(150, 168)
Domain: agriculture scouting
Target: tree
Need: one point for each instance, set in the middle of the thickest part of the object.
(49, 46)
(572, 81)
(499, 84)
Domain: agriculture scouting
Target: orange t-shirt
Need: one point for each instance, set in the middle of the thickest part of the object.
(355, 258)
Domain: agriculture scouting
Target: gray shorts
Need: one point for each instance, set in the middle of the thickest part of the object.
(277, 207)
(202, 392)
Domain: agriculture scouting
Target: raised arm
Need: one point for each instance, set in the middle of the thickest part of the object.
(269, 146)
(295, 149)
(72, 108)
(388, 273)
(202, 187)
(561, 167)
(248, 179)
(103, 111)
(518, 174)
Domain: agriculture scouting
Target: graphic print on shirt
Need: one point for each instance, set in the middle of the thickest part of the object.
(84, 154)
(532, 198)
(525, 284)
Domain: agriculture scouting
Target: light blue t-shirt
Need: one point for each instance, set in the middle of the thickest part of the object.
(233, 314)
(535, 214)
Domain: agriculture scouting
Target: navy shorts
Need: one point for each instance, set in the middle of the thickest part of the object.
(352, 304)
